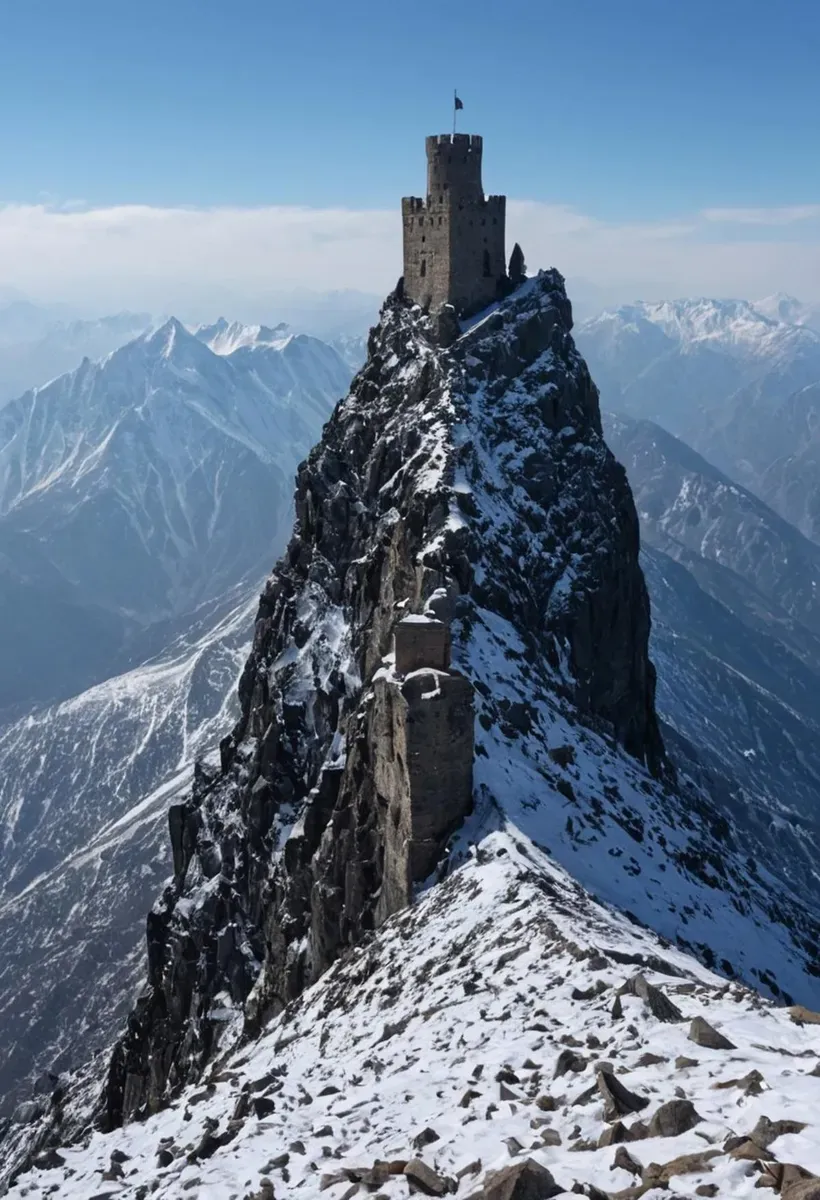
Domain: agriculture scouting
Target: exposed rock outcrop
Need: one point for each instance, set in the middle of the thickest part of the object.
(348, 771)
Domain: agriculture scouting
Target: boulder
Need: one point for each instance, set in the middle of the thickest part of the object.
(673, 1118)
(659, 1175)
(624, 1160)
(527, 1180)
(618, 1100)
(802, 1189)
(658, 1004)
(803, 1016)
(749, 1151)
(425, 1138)
(682, 1062)
(704, 1034)
(568, 1060)
(613, 1134)
(765, 1131)
(425, 1178)
(751, 1084)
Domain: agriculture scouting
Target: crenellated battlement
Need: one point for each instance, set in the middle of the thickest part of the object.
(454, 238)
(458, 140)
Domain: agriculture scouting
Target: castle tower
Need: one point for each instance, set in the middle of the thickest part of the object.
(454, 240)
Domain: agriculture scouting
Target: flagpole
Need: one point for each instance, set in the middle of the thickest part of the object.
(455, 109)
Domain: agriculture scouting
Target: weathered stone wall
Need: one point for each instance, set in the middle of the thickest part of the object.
(477, 255)
(422, 642)
(423, 768)
(454, 249)
(454, 165)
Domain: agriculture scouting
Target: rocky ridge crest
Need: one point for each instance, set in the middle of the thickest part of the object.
(445, 472)
(471, 480)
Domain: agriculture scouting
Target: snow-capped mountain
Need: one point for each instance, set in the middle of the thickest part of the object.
(688, 507)
(85, 787)
(122, 482)
(410, 898)
(467, 472)
(680, 362)
(775, 449)
(730, 379)
(789, 310)
(37, 345)
(128, 477)
(735, 636)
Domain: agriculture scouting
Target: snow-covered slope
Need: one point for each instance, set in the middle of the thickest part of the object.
(477, 1032)
(464, 488)
(85, 787)
(468, 470)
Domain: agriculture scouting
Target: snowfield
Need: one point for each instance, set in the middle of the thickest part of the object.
(448, 1038)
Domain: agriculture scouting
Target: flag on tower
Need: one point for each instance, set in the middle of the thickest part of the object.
(458, 103)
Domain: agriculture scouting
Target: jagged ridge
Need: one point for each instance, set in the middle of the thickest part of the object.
(474, 472)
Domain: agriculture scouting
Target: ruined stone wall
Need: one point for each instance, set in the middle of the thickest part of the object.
(422, 734)
(422, 642)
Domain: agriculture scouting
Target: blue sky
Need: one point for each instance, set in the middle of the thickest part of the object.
(645, 113)
(636, 109)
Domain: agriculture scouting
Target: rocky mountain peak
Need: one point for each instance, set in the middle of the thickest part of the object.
(469, 482)
(449, 662)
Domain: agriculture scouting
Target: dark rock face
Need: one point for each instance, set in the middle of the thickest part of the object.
(317, 826)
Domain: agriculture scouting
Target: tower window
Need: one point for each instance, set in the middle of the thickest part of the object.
(486, 264)
(423, 238)
(423, 270)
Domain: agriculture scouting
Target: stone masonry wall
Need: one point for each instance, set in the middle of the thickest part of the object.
(423, 766)
(454, 251)
(422, 642)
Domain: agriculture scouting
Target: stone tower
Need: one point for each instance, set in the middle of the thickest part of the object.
(454, 240)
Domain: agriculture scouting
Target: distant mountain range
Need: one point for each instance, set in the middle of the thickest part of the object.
(735, 380)
(735, 638)
(124, 485)
(37, 344)
(84, 790)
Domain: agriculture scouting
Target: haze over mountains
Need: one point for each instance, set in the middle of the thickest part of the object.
(123, 490)
(730, 379)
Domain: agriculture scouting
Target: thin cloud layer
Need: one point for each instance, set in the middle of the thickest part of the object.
(197, 261)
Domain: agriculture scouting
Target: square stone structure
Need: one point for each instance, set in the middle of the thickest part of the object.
(454, 239)
(422, 642)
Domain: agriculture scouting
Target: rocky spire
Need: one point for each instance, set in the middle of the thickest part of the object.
(466, 486)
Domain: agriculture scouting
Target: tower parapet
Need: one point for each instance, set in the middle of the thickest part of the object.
(454, 238)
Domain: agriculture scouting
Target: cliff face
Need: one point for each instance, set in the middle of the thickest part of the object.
(471, 482)
(471, 478)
